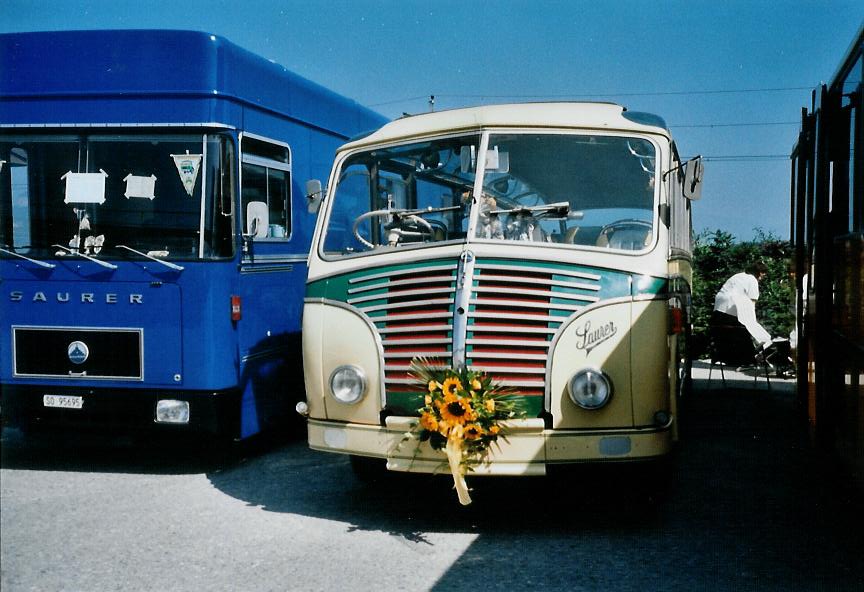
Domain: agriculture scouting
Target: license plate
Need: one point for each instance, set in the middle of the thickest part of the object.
(63, 401)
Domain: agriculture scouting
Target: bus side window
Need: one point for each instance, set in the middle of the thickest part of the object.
(266, 178)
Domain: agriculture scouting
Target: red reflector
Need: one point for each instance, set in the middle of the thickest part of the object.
(236, 313)
(677, 321)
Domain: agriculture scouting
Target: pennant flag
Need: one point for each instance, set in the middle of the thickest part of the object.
(187, 166)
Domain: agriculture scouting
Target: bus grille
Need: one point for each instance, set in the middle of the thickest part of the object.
(515, 312)
(413, 312)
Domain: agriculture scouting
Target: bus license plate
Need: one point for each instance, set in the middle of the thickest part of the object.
(63, 401)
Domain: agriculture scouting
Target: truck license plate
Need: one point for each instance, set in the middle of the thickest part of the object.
(63, 401)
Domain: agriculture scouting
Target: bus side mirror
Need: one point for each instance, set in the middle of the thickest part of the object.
(314, 193)
(693, 171)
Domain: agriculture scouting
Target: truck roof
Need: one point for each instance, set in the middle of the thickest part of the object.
(82, 77)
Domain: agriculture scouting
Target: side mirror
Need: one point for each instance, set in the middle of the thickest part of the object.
(314, 193)
(257, 219)
(496, 162)
(693, 172)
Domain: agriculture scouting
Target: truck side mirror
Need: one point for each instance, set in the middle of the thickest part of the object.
(693, 172)
(314, 193)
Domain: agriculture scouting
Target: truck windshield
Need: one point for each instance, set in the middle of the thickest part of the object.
(113, 196)
(575, 190)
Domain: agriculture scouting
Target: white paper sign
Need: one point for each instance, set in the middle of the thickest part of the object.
(187, 167)
(140, 186)
(85, 187)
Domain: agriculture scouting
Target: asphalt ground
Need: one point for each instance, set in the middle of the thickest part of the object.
(746, 504)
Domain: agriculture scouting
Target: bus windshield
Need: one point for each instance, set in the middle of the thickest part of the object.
(576, 190)
(116, 195)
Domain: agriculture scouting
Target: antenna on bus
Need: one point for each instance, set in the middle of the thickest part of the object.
(432, 103)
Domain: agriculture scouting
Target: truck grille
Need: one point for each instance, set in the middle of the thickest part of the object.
(78, 353)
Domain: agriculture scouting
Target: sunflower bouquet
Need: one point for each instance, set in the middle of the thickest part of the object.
(462, 415)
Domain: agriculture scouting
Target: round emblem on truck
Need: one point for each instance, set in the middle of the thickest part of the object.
(78, 352)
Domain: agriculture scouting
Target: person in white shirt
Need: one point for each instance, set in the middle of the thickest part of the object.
(736, 303)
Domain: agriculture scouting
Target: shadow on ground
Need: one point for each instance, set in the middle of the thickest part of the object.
(101, 452)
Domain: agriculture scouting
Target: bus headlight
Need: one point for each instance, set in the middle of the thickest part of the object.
(590, 388)
(348, 384)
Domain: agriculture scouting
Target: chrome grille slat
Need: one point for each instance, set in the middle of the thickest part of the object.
(538, 282)
(511, 329)
(517, 317)
(537, 293)
(397, 283)
(401, 272)
(396, 318)
(399, 294)
(509, 369)
(413, 354)
(523, 304)
(505, 356)
(497, 342)
(414, 329)
(419, 341)
(416, 304)
(520, 269)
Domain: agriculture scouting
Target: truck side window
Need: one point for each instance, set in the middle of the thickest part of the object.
(266, 191)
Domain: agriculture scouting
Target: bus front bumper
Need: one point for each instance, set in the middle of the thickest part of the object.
(529, 446)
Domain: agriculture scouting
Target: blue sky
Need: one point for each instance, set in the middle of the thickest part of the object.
(711, 69)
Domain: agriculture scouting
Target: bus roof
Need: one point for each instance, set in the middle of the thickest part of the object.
(549, 115)
(95, 77)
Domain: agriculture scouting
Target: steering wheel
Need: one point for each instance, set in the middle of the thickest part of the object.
(640, 231)
(538, 200)
(399, 228)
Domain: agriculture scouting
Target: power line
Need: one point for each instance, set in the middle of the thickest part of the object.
(743, 157)
(748, 124)
(608, 94)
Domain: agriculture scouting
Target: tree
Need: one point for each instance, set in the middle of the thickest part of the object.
(717, 257)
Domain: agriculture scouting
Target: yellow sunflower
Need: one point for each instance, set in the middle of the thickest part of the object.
(473, 431)
(428, 422)
(456, 410)
(451, 386)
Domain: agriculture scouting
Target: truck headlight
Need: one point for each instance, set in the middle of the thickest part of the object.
(348, 384)
(590, 388)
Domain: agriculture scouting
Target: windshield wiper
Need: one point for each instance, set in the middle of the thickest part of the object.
(561, 208)
(167, 264)
(39, 263)
(88, 257)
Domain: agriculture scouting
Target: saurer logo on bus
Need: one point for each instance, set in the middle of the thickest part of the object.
(85, 297)
(590, 338)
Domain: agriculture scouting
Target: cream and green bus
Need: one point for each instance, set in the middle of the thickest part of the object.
(546, 244)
